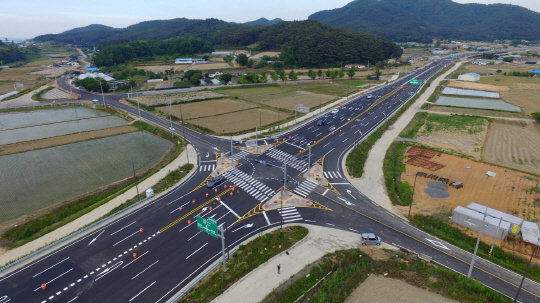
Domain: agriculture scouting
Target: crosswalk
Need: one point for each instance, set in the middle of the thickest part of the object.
(251, 186)
(305, 188)
(240, 155)
(207, 167)
(332, 174)
(291, 160)
(289, 214)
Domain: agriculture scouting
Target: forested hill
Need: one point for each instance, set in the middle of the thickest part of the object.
(421, 20)
(264, 21)
(302, 43)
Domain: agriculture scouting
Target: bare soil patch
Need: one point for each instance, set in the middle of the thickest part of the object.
(477, 112)
(207, 108)
(478, 86)
(513, 145)
(510, 81)
(19, 74)
(291, 99)
(380, 289)
(270, 54)
(239, 121)
(209, 66)
(187, 96)
(7, 87)
(62, 140)
(509, 191)
(526, 99)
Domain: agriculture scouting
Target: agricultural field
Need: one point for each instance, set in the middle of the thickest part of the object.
(514, 145)
(18, 119)
(55, 174)
(194, 110)
(528, 100)
(210, 66)
(289, 100)
(509, 191)
(7, 86)
(477, 103)
(463, 134)
(19, 74)
(351, 83)
(178, 97)
(476, 112)
(478, 86)
(240, 121)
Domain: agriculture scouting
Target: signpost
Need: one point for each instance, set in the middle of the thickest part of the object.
(414, 81)
(210, 227)
(454, 56)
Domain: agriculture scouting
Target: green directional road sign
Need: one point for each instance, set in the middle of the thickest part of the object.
(454, 56)
(209, 226)
(414, 81)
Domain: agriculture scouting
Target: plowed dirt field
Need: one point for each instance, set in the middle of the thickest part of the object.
(478, 86)
(239, 121)
(208, 108)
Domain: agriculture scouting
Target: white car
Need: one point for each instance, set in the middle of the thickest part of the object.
(369, 96)
(335, 111)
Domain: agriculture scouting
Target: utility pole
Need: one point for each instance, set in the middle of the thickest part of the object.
(135, 177)
(320, 104)
(257, 139)
(231, 147)
(184, 131)
(170, 116)
(526, 270)
(295, 114)
(412, 196)
(222, 236)
(496, 233)
(103, 96)
(477, 243)
(284, 187)
(309, 157)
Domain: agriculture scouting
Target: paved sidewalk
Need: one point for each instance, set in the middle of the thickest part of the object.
(260, 282)
(97, 213)
(372, 183)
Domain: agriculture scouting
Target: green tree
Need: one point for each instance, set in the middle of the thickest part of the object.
(254, 78)
(508, 59)
(250, 63)
(264, 77)
(283, 76)
(228, 58)
(333, 74)
(312, 74)
(274, 76)
(377, 73)
(341, 73)
(499, 71)
(293, 75)
(351, 73)
(195, 79)
(327, 73)
(243, 80)
(536, 116)
(319, 73)
(225, 78)
(242, 59)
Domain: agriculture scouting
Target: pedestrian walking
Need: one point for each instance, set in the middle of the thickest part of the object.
(278, 268)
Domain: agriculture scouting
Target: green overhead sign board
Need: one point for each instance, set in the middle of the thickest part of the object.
(209, 226)
(454, 56)
(413, 81)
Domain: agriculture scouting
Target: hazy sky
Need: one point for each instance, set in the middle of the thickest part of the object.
(29, 18)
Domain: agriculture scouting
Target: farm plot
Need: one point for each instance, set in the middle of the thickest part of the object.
(477, 103)
(511, 81)
(55, 174)
(10, 120)
(526, 99)
(206, 108)
(6, 87)
(515, 146)
(209, 66)
(59, 129)
(509, 191)
(240, 121)
(179, 97)
(478, 86)
(470, 92)
(291, 99)
(475, 112)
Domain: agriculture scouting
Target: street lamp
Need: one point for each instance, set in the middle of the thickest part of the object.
(526, 270)
(414, 187)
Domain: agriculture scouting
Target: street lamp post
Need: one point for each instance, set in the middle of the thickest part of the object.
(414, 187)
(184, 132)
(526, 270)
(477, 243)
(284, 186)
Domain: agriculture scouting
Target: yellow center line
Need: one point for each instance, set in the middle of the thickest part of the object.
(426, 244)
(191, 212)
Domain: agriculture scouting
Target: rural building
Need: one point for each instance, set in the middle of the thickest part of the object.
(92, 69)
(475, 220)
(216, 82)
(354, 65)
(438, 52)
(199, 61)
(536, 72)
(242, 51)
(183, 60)
(472, 77)
(214, 74)
(223, 53)
(414, 57)
(479, 62)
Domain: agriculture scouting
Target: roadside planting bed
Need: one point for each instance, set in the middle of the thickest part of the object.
(55, 174)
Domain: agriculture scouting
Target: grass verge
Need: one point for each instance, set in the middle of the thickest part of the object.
(344, 270)
(70, 211)
(39, 95)
(246, 259)
(440, 227)
(357, 158)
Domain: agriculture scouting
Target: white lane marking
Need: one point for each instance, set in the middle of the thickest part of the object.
(72, 299)
(330, 224)
(195, 235)
(325, 192)
(197, 250)
(266, 217)
(127, 237)
(245, 226)
(45, 270)
(54, 278)
(142, 291)
(309, 220)
(123, 227)
(293, 145)
(353, 229)
(438, 244)
(96, 238)
(339, 183)
(145, 270)
(134, 260)
(107, 270)
(232, 211)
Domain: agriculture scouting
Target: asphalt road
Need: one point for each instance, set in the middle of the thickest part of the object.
(100, 267)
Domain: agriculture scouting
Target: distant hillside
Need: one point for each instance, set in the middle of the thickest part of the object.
(421, 20)
(302, 44)
(264, 21)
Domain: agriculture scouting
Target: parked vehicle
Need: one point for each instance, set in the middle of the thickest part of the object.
(215, 182)
(370, 238)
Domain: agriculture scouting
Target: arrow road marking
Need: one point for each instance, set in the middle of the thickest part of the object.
(349, 192)
(438, 244)
(96, 237)
(245, 226)
(207, 154)
(346, 202)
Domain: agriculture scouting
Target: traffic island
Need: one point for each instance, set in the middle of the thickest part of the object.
(256, 150)
(284, 199)
(223, 164)
(315, 174)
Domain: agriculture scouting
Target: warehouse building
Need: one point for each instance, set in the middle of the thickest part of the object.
(471, 77)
